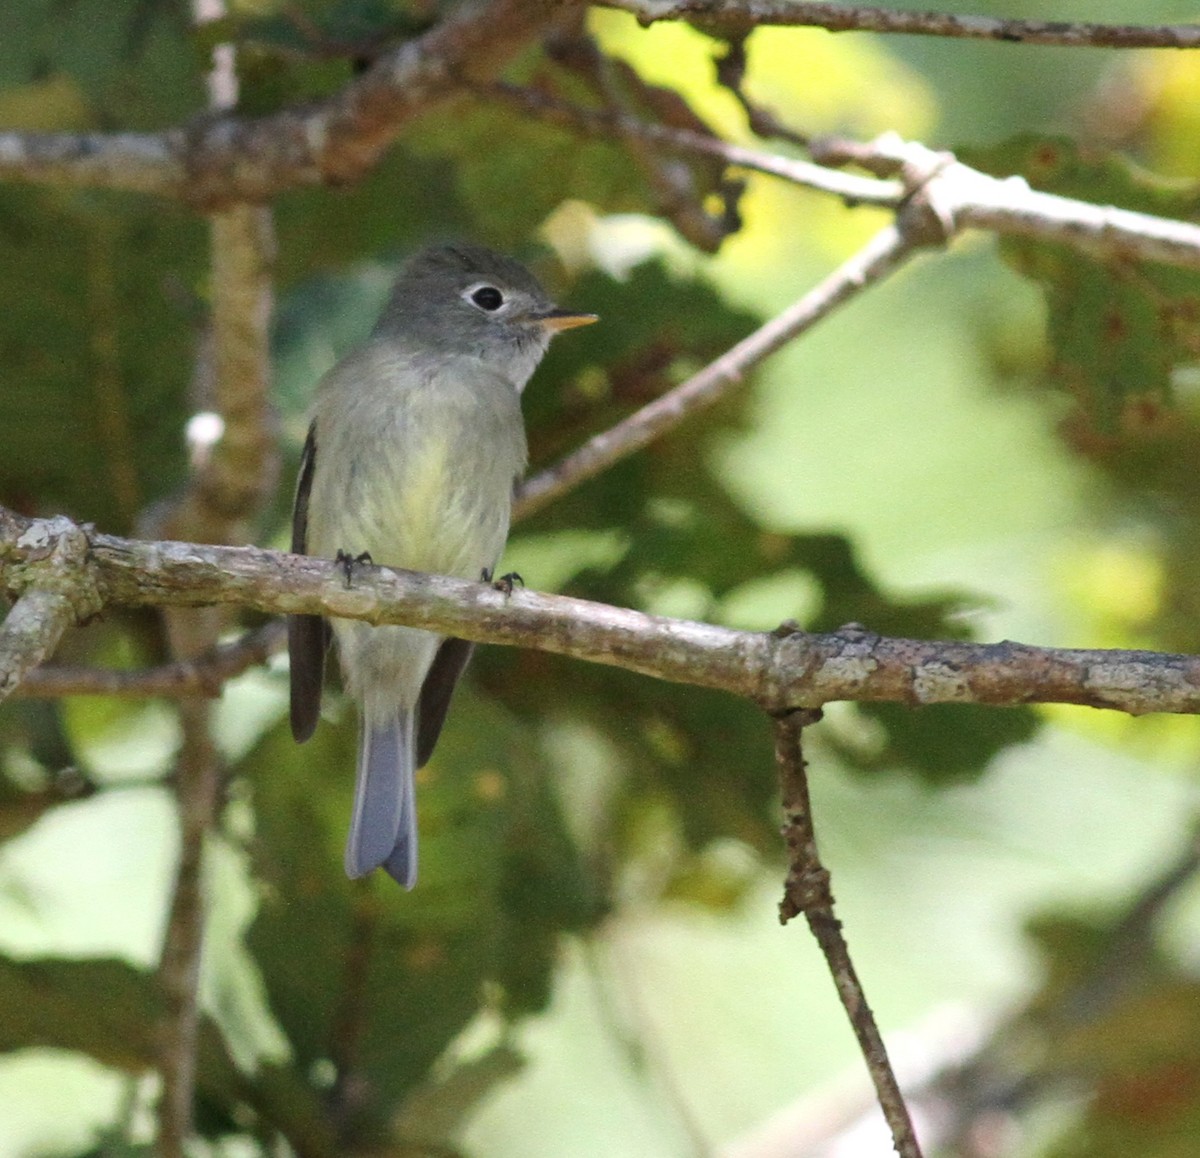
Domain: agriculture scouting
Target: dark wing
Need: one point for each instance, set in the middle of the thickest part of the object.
(308, 635)
(436, 691)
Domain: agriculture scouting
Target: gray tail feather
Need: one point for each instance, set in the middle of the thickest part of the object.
(383, 827)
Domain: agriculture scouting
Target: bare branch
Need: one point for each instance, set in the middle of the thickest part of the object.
(135, 162)
(962, 198)
(807, 891)
(53, 586)
(206, 675)
(198, 780)
(740, 16)
(233, 445)
(223, 158)
(781, 670)
(891, 246)
(30, 632)
(678, 192)
(854, 189)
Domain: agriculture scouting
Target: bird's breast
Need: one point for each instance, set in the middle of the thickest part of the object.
(417, 469)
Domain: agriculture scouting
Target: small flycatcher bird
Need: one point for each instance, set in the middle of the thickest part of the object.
(415, 446)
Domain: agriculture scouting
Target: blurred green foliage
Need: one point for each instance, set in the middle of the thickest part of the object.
(559, 789)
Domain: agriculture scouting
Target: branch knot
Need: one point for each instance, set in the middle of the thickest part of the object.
(54, 556)
(806, 890)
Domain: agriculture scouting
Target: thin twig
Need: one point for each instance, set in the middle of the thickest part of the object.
(807, 891)
(198, 781)
(678, 192)
(739, 16)
(731, 74)
(206, 675)
(853, 189)
(886, 250)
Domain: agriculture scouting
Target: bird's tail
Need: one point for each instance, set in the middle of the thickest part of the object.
(383, 827)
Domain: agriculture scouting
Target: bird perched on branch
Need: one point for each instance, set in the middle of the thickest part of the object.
(415, 445)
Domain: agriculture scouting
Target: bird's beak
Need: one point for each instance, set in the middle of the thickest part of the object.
(556, 320)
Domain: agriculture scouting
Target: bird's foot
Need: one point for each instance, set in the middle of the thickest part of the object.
(505, 583)
(348, 562)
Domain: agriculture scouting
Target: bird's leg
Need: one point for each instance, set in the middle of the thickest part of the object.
(505, 583)
(348, 562)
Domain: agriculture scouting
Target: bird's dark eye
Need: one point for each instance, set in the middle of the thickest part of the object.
(488, 297)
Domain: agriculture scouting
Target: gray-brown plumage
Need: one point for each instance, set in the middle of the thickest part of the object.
(415, 444)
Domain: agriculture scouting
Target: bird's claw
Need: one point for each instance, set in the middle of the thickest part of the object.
(505, 583)
(348, 562)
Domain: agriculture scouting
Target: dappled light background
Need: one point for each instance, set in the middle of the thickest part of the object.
(592, 963)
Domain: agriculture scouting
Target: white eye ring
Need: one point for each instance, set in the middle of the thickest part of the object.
(484, 296)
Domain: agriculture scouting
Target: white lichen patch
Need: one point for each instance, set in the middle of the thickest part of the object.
(938, 683)
(1158, 688)
(1125, 677)
(846, 671)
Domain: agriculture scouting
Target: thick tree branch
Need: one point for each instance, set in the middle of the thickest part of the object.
(134, 162)
(740, 16)
(223, 158)
(780, 670)
(807, 891)
(891, 246)
(53, 589)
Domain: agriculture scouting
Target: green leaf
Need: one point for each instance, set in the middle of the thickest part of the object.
(98, 349)
(131, 59)
(1118, 1018)
(346, 964)
(1117, 330)
(112, 1011)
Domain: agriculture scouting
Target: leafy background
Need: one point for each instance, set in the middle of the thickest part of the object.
(997, 443)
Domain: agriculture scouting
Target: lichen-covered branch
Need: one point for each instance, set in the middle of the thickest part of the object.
(778, 669)
(44, 566)
(740, 16)
(134, 162)
(224, 158)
